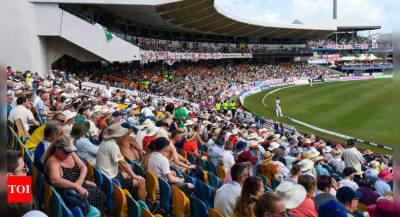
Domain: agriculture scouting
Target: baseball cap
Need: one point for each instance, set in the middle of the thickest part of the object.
(348, 171)
(65, 144)
(332, 208)
(116, 114)
(347, 194)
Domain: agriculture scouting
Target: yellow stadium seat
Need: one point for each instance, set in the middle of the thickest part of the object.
(214, 213)
(180, 203)
(183, 154)
(48, 194)
(90, 172)
(120, 203)
(362, 208)
(221, 172)
(151, 185)
(147, 213)
(206, 179)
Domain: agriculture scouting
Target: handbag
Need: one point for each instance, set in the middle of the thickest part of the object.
(73, 199)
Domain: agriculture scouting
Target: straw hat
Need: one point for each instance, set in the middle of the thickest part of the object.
(306, 165)
(292, 194)
(114, 130)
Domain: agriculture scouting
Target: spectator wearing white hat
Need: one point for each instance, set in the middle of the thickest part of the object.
(69, 121)
(109, 159)
(292, 194)
(226, 157)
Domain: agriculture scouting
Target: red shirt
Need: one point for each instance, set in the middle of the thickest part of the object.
(147, 139)
(190, 146)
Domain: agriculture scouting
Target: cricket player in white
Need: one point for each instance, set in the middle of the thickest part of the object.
(278, 109)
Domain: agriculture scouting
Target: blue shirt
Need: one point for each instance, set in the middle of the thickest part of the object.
(39, 151)
(86, 150)
(381, 187)
(321, 171)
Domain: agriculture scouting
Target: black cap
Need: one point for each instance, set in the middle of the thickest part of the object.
(347, 194)
(349, 171)
(160, 143)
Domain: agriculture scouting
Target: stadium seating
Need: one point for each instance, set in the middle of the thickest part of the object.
(197, 207)
(205, 193)
(180, 203)
(134, 209)
(221, 172)
(120, 202)
(151, 186)
(214, 213)
(165, 195)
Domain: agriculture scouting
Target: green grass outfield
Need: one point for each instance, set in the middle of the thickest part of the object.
(364, 109)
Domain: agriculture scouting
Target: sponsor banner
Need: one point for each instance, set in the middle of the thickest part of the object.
(235, 55)
(147, 56)
(352, 78)
(382, 76)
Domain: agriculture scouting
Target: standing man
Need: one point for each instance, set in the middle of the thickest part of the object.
(232, 106)
(278, 109)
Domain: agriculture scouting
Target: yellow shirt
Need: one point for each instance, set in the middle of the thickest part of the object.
(35, 138)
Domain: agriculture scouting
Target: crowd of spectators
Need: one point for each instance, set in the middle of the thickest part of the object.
(342, 43)
(204, 83)
(203, 47)
(268, 170)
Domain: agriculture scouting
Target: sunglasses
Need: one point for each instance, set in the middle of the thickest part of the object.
(65, 152)
(24, 170)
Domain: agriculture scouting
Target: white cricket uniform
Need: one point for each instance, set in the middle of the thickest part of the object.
(278, 108)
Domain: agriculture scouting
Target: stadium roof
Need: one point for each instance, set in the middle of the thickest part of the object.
(202, 16)
(356, 28)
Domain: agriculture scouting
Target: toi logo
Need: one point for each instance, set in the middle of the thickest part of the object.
(19, 189)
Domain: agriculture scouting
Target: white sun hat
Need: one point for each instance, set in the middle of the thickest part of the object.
(273, 145)
(292, 194)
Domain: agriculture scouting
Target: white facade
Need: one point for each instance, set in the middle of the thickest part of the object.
(37, 34)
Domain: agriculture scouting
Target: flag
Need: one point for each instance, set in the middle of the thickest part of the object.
(108, 34)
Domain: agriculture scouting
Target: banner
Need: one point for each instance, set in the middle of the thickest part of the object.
(147, 56)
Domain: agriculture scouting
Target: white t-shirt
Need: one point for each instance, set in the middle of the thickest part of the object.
(349, 183)
(227, 159)
(108, 157)
(20, 112)
(147, 112)
(107, 93)
(159, 165)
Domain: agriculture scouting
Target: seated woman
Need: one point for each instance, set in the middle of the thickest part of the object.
(252, 188)
(65, 170)
(270, 170)
(86, 150)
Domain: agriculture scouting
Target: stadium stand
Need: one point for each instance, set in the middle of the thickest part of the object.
(112, 117)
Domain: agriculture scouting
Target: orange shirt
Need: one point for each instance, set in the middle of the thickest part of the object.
(306, 209)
